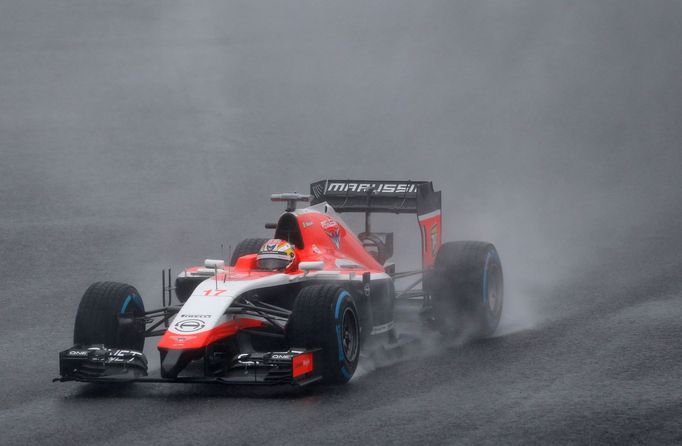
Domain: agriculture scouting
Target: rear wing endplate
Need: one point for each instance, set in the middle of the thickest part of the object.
(398, 197)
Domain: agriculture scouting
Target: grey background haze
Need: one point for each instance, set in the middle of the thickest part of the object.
(547, 124)
(141, 135)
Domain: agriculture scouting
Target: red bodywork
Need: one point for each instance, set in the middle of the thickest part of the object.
(431, 231)
(325, 239)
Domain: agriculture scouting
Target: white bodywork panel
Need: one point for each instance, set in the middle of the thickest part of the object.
(211, 298)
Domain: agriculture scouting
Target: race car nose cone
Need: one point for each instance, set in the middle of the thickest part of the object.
(173, 361)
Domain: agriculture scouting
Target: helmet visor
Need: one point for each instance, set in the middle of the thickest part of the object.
(273, 263)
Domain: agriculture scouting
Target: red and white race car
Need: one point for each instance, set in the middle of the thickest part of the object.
(306, 319)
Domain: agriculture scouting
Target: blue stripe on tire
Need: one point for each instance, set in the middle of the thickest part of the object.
(339, 301)
(127, 301)
(338, 338)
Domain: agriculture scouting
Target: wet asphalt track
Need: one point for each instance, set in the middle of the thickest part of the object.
(606, 371)
(121, 155)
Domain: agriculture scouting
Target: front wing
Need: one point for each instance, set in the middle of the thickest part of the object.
(97, 363)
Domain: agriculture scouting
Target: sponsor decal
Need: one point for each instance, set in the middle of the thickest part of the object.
(123, 353)
(189, 325)
(377, 188)
(280, 356)
(315, 249)
(434, 238)
(302, 364)
(307, 224)
(78, 353)
(196, 316)
(333, 230)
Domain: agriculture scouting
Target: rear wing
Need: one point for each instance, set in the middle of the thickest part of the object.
(398, 197)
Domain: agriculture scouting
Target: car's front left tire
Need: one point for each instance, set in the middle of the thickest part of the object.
(326, 317)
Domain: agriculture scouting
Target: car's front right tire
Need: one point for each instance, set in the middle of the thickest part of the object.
(107, 315)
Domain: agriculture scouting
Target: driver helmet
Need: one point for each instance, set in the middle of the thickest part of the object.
(275, 254)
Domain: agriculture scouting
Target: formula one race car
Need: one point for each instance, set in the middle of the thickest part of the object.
(297, 308)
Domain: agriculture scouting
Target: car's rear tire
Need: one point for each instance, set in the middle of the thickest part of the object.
(326, 317)
(467, 289)
(247, 246)
(106, 315)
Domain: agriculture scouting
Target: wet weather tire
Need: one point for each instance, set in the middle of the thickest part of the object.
(467, 289)
(106, 316)
(326, 317)
(247, 246)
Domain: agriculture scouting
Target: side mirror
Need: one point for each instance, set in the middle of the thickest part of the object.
(215, 264)
(311, 266)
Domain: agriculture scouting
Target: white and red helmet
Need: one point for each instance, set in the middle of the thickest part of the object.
(275, 254)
